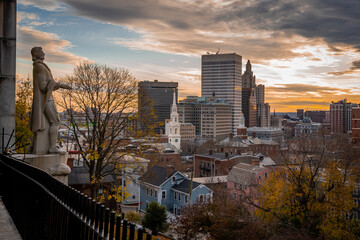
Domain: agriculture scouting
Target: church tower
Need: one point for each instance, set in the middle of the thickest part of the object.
(174, 126)
(242, 130)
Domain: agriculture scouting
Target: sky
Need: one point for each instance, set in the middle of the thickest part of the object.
(307, 53)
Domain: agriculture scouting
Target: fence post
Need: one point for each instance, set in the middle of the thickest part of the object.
(112, 225)
(124, 229)
(101, 218)
(118, 226)
(140, 234)
(106, 222)
(132, 232)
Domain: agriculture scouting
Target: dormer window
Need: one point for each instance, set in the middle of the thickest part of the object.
(173, 179)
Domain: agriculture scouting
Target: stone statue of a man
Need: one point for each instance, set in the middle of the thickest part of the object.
(44, 121)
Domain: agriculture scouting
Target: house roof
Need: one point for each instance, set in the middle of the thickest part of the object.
(219, 156)
(80, 175)
(244, 174)
(184, 186)
(156, 176)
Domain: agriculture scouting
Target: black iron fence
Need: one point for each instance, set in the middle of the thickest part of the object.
(44, 208)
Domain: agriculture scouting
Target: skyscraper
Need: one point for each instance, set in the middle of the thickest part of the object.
(221, 78)
(248, 96)
(262, 108)
(158, 95)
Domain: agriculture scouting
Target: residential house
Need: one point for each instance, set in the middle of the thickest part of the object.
(244, 179)
(170, 188)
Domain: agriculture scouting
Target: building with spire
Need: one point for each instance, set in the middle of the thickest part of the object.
(173, 126)
(249, 96)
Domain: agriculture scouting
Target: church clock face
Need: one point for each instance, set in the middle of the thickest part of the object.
(176, 140)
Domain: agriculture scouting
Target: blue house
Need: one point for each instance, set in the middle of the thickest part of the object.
(170, 188)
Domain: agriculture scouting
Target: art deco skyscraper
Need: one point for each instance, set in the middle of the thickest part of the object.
(221, 78)
(248, 96)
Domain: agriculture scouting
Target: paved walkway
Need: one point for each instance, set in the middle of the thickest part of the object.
(8, 230)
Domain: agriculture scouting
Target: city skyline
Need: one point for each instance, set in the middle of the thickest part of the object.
(306, 54)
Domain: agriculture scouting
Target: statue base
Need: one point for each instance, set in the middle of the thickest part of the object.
(54, 164)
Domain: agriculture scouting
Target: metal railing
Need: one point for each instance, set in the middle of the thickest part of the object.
(44, 208)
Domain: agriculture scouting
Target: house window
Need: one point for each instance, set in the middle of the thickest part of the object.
(234, 185)
(235, 194)
(179, 195)
(201, 198)
(163, 194)
(147, 191)
(175, 209)
(259, 177)
(208, 197)
(133, 196)
(155, 193)
(151, 192)
(175, 195)
(266, 175)
(186, 199)
(124, 183)
(173, 179)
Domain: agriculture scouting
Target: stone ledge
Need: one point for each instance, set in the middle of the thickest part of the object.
(7, 227)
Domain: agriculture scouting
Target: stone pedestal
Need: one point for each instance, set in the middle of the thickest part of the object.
(54, 164)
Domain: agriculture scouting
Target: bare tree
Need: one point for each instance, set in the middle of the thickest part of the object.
(102, 113)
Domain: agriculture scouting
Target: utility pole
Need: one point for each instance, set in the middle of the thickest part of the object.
(7, 68)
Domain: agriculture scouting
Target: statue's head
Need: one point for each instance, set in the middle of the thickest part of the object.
(37, 53)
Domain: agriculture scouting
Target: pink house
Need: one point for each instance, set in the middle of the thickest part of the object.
(243, 180)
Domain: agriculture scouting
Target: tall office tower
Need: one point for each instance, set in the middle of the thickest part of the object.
(260, 93)
(157, 95)
(341, 116)
(248, 96)
(221, 78)
(266, 118)
(260, 106)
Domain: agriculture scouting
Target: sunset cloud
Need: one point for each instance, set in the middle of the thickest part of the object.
(54, 47)
(306, 52)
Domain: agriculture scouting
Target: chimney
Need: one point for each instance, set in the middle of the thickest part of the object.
(169, 170)
(255, 162)
(231, 136)
(254, 134)
(210, 151)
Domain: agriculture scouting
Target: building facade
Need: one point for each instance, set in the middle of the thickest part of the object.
(355, 132)
(262, 108)
(317, 116)
(249, 96)
(211, 117)
(171, 188)
(187, 131)
(159, 96)
(341, 116)
(221, 76)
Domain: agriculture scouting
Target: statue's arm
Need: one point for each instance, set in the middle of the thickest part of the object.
(62, 85)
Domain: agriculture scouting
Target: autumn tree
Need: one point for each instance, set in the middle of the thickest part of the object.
(102, 113)
(312, 190)
(23, 103)
(221, 218)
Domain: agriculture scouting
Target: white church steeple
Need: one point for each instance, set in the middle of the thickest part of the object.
(174, 126)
